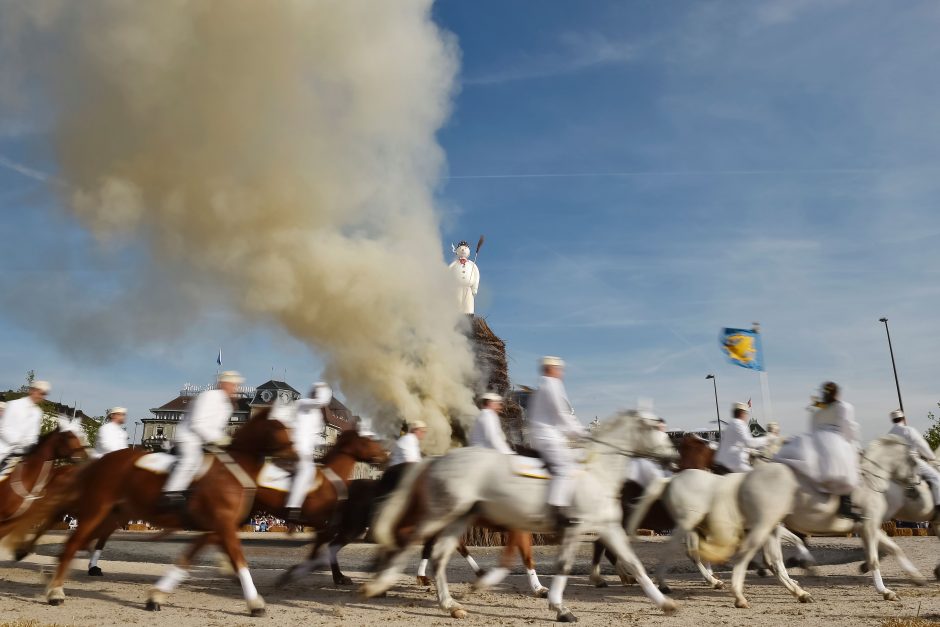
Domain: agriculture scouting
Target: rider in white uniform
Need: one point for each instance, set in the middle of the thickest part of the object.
(111, 435)
(553, 430)
(835, 434)
(204, 424)
(407, 449)
(486, 431)
(923, 455)
(307, 435)
(22, 420)
(734, 450)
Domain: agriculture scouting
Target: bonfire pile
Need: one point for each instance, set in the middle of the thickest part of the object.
(490, 353)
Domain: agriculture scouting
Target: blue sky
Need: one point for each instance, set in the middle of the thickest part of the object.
(645, 174)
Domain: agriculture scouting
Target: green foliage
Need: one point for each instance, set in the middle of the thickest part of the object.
(30, 377)
(932, 434)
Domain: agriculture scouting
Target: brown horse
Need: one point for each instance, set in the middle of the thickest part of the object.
(219, 501)
(35, 475)
(694, 452)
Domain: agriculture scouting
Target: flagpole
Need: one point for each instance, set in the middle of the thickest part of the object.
(764, 383)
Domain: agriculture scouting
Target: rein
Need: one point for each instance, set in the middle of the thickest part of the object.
(249, 487)
(888, 477)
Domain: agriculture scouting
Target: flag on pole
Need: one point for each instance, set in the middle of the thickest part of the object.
(742, 347)
(218, 359)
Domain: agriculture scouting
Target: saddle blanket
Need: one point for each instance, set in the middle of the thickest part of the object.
(276, 478)
(162, 463)
(531, 467)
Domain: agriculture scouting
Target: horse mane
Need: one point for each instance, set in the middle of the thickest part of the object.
(341, 439)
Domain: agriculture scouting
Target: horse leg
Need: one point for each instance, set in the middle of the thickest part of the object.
(488, 579)
(756, 538)
(314, 559)
(523, 542)
(704, 568)
(882, 539)
(804, 558)
(233, 548)
(93, 569)
(175, 574)
(616, 540)
(338, 577)
(566, 555)
(447, 541)
(392, 562)
(426, 550)
(55, 594)
(596, 577)
(472, 563)
(773, 556)
(672, 549)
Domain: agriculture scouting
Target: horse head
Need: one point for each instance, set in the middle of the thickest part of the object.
(67, 441)
(695, 453)
(635, 432)
(360, 446)
(265, 437)
(889, 458)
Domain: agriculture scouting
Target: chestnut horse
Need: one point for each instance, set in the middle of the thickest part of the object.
(36, 475)
(218, 503)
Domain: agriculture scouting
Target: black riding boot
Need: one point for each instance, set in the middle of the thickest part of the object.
(294, 515)
(846, 510)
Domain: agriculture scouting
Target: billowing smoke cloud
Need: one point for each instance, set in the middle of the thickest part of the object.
(283, 151)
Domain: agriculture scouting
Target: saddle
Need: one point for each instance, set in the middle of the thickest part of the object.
(273, 477)
(163, 463)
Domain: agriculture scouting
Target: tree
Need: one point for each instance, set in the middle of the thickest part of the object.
(30, 377)
(932, 434)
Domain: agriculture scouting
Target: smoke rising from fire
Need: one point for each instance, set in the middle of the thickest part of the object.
(283, 152)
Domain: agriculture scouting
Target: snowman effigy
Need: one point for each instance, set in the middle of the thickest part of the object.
(467, 275)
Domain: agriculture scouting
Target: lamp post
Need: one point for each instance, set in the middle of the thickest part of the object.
(893, 365)
(717, 411)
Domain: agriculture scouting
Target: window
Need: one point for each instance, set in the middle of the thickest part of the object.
(159, 432)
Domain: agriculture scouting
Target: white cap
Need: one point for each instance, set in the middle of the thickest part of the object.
(491, 397)
(549, 360)
(230, 376)
(736, 406)
(42, 386)
(897, 413)
(117, 410)
(417, 424)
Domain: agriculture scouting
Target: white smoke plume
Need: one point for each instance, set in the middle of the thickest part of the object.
(283, 152)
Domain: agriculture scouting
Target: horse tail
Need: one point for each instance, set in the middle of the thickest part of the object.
(653, 493)
(390, 512)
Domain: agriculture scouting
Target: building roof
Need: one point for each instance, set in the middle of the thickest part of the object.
(276, 385)
(182, 402)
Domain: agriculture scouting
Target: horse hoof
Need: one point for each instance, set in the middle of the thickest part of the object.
(718, 585)
(56, 602)
(458, 612)
(890, 595)
(56, 596)
(762, 572)
(669, 607)
(919, 581)
(542, 593)
(20, 554)
(94, 571)
(343, 581)
(256, 606)
(806, 597)
(152, 606)
(863, 568)
(566, 617)
(256, 612)
(665, 589)
(936, 573)
(424, 581)
(742, 604)
(627, 581)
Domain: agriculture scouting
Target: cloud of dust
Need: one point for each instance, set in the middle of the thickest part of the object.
(283, 151)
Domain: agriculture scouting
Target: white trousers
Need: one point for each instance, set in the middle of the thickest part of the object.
(305, 471)
(932, 475)
(189, 449)
(562, 464)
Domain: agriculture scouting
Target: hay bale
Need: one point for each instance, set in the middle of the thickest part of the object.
(890, 529)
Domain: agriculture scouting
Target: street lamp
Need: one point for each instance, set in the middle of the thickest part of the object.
(893, 365)
(717, 411)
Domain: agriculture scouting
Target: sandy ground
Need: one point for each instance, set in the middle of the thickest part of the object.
(210, 597)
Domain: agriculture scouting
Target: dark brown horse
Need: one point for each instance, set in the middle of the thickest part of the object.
(219, 501)
(694, 453)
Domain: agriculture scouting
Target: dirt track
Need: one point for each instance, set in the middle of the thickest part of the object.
(211, 598)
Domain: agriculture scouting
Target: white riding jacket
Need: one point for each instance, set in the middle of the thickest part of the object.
(308, 421)
(407, 450)
(488, 433)
(19, 425)
(736, 445)
(550, 415)
(915, 440)
(208, 417)
(111, 437)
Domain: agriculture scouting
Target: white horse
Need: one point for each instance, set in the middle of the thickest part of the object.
(471, 482)
(773, 493)
(704, 508)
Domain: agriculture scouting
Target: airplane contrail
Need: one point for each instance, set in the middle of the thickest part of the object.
(639, 173)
